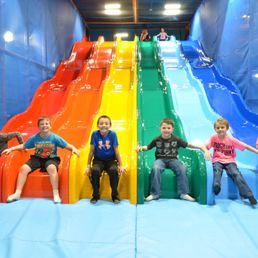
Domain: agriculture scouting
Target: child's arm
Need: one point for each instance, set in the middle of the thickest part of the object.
(72, 149)
(202, 147)
(17, 147)
(250, 148)
(118, 157)
(141, 148)
(90, 157)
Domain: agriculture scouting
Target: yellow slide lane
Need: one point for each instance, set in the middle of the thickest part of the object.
(119, 103)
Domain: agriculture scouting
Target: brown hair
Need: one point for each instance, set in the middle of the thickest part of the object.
(167, 121)
(41, 118)
(104, 116)
(222, 121)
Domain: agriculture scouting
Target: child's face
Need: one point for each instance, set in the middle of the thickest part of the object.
(104, 125)
(44, 126)
(166, 130)
(221, 129)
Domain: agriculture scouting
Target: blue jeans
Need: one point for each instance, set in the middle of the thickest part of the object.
(234, 173)
(178, 168)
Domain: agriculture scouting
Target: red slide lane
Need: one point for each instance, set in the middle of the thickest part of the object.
(47, 100)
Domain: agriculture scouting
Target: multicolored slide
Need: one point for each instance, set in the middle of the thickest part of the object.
(118, 102)
(191, 92)
(85, 91)
(154, 104)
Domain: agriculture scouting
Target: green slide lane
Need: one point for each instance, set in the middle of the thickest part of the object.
(154, 104)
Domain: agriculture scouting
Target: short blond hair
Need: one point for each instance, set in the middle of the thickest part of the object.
(221, 121)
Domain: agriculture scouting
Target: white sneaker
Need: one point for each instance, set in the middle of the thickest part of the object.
(12, 198)
(187, 197)
(57, 199)
(151, 197)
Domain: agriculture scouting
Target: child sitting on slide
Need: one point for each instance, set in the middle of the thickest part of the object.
(45, 157)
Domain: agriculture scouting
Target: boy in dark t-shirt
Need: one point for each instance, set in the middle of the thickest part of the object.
(167, 145)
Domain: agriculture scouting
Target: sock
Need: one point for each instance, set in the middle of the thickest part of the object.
(15, 196)
(57, 198)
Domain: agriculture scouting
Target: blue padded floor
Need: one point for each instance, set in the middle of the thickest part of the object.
(32, 228)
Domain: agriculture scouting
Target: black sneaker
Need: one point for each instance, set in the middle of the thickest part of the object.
(216, 189)
(93, 200)
(116, 200)
(252, 200)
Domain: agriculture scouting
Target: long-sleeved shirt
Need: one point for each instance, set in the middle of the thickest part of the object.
(5, 137)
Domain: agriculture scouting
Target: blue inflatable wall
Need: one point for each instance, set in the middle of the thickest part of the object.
(35, 36)
(228, 32)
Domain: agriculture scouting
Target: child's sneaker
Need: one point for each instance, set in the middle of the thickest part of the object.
(12, 198)
(252, 200)
(216, 189)
(151, 197)
(57, 199)
(116, 200)
(187, 197)
(94, 200)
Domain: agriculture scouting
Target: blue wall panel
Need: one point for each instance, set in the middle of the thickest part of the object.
(43, 34)
(231, 38)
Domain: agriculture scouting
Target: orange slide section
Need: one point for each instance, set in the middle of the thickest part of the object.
(71, 101)
(47, 100)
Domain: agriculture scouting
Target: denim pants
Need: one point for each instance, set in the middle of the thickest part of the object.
(178, 168)
(110, 166)
(234, 173)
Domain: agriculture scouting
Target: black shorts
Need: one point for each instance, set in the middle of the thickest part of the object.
(36, 162)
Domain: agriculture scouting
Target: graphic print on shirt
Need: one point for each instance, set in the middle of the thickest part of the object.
(105, 146)
(227, 150)
(166, 148)
(44, 149)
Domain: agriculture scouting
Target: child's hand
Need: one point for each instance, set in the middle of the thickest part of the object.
(139, 148)
(7, 151)
(122, 170)
(75, 151)
(87, 171)
(207, 155)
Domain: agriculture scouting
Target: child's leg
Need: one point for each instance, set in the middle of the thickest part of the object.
(52, 171)
(22, 177)
(181, 177)
(234, 173)
(112, 171)
(157, 170)
(217, 174)
(97, 169)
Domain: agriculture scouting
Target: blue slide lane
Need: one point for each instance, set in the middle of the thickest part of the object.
(193, 106)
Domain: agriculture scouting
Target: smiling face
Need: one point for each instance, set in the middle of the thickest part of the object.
(44, 126)
(221, 129)
(166, 130)
(104, 125)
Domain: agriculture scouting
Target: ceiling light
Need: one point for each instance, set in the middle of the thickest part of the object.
(171, 12)
(121, 35)
(113, 12)
(8, 36)
(112, 6)
(172, 6)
